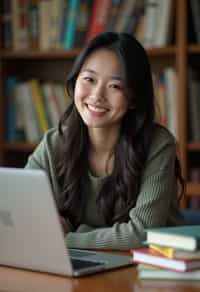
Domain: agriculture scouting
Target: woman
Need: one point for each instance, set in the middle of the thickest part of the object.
(113, 170)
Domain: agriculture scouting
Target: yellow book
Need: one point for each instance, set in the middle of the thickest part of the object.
(39, 106)
(175, 253)
(166, 251)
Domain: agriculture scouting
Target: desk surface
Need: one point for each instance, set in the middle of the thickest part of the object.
(125, 279)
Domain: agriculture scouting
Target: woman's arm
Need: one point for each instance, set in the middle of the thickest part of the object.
(153, 207)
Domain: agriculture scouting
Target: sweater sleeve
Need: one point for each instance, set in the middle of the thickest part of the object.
(152, 207)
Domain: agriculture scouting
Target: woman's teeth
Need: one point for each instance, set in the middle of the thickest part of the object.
(96, 109)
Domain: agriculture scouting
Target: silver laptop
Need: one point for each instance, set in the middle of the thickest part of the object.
(31, 236)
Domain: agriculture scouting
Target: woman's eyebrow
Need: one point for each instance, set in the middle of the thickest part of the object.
(116, 77)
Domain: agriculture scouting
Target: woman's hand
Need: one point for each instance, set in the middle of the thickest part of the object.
(65, 226)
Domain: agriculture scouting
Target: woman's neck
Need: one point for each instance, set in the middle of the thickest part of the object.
(102, 140)
(102, 143)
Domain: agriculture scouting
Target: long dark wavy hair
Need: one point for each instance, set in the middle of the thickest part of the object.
(120, 189)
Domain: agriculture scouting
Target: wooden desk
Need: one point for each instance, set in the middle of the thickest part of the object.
(121, 280)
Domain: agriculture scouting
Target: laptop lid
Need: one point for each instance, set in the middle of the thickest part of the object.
(31, 235)
(30, 232)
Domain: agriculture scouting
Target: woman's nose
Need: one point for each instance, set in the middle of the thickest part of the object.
(98, 92)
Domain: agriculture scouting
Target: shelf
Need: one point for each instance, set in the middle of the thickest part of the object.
(60, 54)
(36, 54)
(194, 146)
(194, 49)
(165, 51)
(193, 189)
(18, 147)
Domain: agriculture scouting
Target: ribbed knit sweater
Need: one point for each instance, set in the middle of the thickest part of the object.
(157, 203)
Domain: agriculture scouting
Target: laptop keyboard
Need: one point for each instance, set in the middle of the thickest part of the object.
(79, 254)
(80, 264)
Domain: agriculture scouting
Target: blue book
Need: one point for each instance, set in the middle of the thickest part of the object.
(11, 84)
(70, 24)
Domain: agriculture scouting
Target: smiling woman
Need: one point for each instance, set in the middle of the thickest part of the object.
(100, 95)
(113, 170)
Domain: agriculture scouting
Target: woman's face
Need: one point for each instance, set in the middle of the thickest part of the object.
(100, 94)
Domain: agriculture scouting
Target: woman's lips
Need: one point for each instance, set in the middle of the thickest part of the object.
(97, 110)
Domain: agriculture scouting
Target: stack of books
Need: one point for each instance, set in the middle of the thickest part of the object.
(169, 253)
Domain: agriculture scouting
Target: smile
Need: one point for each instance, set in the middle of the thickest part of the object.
(96, 109)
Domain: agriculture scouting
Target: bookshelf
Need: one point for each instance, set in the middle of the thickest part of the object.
(54, 65)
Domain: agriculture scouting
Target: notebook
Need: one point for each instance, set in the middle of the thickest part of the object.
(151, 257)
(184, 237)
(31, 236)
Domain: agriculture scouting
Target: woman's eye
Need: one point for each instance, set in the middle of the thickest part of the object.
(116, 86)
(89, 79)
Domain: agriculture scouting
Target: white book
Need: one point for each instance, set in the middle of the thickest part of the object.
(27, 112)
(150, 16)
(164, 19)
(61, 96)
(56, 18)
(50, 103)
(44, 24)
(19, 24)
(171, 99)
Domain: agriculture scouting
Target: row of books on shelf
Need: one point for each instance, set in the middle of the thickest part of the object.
(165, 84)
(166, 99)
(169, 253)
(32, 108)
(194, 176)
(67, 24)
(194, 105)
(195, 12)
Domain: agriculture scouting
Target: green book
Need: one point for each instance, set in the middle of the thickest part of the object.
(153, 273)
(185, 237)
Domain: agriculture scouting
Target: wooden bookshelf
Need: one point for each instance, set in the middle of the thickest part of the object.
(193, 189)
(165, 52)
(18, 147)
(54, 64)
(193, 49)
(193, 146)
(37, 54)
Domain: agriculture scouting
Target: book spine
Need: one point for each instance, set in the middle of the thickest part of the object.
(56, 22)
(134, 17)
(160, 99)
(195, 9)
(164, 23)
(27, 110)
(139, 31)
(70, 26)
(44, 24)
(11, 84)
(125, 15)
(195, 178)
(33, 13)
(50, 103)
(171, 94)
(150, 14)
(114, 12)
(63, 101)
(7, 24)
(99, 17)
(194, 109)
(39, 105)
(82, 23)
(19, 11)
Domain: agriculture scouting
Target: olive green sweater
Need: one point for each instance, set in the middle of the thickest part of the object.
(156, 203)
